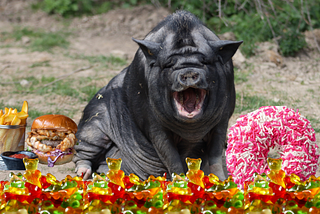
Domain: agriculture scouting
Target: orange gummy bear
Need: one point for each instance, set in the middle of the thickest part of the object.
(115, 174)
(194, 174)
(276, 174)
(32, 174)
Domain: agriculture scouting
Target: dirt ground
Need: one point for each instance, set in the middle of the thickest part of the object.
(291, 81)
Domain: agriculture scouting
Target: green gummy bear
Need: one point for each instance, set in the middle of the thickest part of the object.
(75, 204)
(152, 184)
(238, 204)
(158, 204)
(69, 184)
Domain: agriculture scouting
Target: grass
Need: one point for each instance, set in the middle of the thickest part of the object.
(315, 123)
(240, 76)
(49, 41)
(89, 92)
(39, 39)
(102, 61)
(40, 64)
(33, 114)
(310, 90)
(82, 89)
(248, 103)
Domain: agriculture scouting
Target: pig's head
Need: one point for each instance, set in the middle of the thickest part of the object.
(188, 71)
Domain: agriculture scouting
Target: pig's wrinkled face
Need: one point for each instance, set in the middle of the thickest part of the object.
(184, 74)
(187, 63)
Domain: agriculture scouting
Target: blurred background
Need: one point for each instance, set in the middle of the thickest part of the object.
(56, 54)
(284, 21)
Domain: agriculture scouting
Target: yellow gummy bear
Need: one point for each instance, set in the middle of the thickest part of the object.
(194, 174)
(32, 174)
(276, 174)
(115, 174)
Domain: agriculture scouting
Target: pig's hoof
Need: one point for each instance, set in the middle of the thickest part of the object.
(84, 172)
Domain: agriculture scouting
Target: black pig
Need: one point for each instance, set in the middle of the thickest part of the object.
(173, 101)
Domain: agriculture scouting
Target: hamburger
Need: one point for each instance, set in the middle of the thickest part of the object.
(52, 138)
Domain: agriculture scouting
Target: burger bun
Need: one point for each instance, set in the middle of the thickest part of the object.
(56, 122)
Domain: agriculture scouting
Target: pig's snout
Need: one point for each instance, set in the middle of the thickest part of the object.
(189, 78)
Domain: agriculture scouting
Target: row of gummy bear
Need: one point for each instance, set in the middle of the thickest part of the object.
(190, 193)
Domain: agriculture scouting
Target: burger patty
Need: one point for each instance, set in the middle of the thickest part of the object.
(52, 143)
(50, 140)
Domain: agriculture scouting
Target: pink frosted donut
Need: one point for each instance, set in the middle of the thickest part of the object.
(271, 127)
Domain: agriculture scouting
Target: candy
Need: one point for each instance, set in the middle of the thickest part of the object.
(193, 193)
(115, 174)
(272, 127)
(32, 174)
(194, 174)
(276, 174)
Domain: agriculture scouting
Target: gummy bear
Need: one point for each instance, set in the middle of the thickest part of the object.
(194, 174)
(214, 179)
(32, 174)
(179, 185)
(52, 179)
(100, 185)
(115, 174)
(134, 179)
(276, 174)
(296, 179)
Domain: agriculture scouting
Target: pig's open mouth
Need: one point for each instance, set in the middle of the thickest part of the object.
(189, 102)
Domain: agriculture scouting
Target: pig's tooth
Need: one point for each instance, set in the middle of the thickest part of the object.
(190, 115)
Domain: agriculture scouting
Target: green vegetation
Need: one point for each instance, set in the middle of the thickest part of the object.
(102, 61)
(251, 21)
(67, 8)
(82, 89)
(33, 114)
(241, 76)
(315, 123)
(256, 21)
(247, 103)
(40, 64)
(39, 40)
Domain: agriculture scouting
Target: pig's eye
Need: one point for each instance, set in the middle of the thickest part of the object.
(150, 53)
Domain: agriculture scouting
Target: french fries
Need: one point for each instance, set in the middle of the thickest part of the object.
(13, 117)
(13, 139)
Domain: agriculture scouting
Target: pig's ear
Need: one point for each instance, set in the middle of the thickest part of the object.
(225, 49)
(149, 48)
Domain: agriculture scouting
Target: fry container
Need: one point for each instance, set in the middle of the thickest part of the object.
(12, 137)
